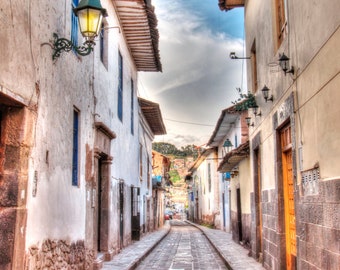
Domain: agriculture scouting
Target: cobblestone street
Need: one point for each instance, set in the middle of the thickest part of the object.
(185, 248)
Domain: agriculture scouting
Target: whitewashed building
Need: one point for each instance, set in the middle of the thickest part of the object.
(203, 182)
(230, 138)
(151, 124)
(70, 133)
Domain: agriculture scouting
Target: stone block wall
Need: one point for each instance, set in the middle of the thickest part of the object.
(59, 254)
(270, 237)
(208, 219)
(318, 228)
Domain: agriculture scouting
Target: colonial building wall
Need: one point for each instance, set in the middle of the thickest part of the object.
(305, 104)
(318, 178)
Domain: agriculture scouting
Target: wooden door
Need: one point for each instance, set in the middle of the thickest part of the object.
(135, 213)
(121, 215)
(99, 204)
(288, 190)
(239, 214)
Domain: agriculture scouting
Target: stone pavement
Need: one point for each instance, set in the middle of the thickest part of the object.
(133, 254)
(235, 256)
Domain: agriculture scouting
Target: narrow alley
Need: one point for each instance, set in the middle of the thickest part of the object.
(169, 135)
(185, 247)
(180, 244)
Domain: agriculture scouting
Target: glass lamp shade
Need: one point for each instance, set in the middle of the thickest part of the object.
(90, 21)
(284, 62)
(265, 91)
(90, 14)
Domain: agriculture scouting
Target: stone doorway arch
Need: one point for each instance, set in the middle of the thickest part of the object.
(98, 215)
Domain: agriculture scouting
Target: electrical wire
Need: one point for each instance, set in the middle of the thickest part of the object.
(197, 124)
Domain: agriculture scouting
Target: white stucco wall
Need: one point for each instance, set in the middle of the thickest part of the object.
(58, 210)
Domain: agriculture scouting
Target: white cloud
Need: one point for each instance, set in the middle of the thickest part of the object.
(198, 79)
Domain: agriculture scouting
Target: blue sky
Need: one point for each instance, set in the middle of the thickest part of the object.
(215, 19)
(198, 79)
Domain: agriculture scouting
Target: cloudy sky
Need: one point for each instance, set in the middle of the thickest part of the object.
(199, 79)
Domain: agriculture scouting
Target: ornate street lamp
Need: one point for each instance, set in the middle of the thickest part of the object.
(90, 14)
(265, 92)
(284, 64)
(227, 145)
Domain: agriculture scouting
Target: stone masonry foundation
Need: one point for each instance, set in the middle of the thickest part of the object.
(59, 254)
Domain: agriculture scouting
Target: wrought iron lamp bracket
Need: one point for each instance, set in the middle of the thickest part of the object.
(64, 45)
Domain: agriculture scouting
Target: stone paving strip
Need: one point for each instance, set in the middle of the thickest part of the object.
(184, 248)
(133, 254)
(235, 256)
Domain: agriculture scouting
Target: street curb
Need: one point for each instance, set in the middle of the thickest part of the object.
(138, 260)
(226, 262)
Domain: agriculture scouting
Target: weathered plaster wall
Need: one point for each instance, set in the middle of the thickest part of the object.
(57, 210)
(246, 186)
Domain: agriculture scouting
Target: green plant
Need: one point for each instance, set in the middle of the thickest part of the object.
(245, 101)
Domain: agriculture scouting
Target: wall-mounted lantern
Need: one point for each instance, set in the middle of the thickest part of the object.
(90, 14)
(234, 172)
(256, 111)
(248, 120)
(284, 64)
(265, 92)
(227, 146)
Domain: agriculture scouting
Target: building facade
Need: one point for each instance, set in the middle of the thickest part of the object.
(203, 189)
(160, 186)
(230, 137)
(70, 134)
(293, 49)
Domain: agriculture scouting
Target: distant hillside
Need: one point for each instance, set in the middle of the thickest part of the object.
(169, 149)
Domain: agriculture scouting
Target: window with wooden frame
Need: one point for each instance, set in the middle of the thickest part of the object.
(75, 148)
(140, 162)
(74, 25)
(209, 177)
(103, 41)
(132, 104)
(120, 87)
(281, 20)
(148, 173)
(254, 67)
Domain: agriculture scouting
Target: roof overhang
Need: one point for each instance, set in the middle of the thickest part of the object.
(153, 116)
(224, 125)
(226, 5)
(200, 159)
(139, 26)
(233, 158)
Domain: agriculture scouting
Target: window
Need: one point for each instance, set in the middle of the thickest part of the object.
(103, 39)
(75, 151)
(209, 176)
(148, 173)
(254, 67)
(141, 162)
(281, 21)
(236, 144)
(74, 26)
(132, 107)
(120, 87)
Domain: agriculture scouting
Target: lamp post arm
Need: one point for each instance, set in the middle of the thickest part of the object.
(64, 45)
